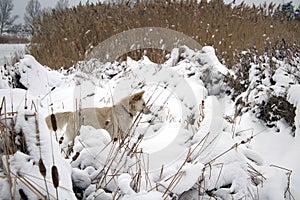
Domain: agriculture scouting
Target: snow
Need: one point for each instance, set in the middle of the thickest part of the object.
(186, 178)
(211, 58)
(80, 178)
(124, 184)
(188, 150)
(34, 73)
(144, 195)
(276, 149)
(210, 131)
(9, 50)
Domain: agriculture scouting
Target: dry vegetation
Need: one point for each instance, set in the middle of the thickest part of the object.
(64, 36)
(9, 39)
(12, 141)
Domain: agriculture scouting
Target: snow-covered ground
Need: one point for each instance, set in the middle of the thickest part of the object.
(9, 50)
(190, 146)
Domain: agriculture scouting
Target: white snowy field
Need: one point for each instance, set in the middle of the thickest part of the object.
(191, 146)
(9, 50)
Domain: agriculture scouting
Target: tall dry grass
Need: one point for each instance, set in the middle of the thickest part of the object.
(13, 140)
(7, 39)
(63, 36)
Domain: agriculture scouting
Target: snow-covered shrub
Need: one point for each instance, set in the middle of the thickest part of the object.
(10, 78)
(261, 83)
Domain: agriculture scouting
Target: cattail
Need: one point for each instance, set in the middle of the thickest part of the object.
(42, 168)
(23, 196)
(55, 177)
(76, 156)
(61, 139)
(53, 122)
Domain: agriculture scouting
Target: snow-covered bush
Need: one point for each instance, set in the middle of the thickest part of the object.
(261, 82)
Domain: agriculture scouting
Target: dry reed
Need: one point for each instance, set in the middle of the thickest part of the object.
(64, 36)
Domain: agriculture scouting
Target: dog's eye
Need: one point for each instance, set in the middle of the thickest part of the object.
(144, 104)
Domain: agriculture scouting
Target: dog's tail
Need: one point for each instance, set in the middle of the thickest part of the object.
(58, 120)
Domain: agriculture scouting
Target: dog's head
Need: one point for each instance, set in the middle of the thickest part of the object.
(137, 103)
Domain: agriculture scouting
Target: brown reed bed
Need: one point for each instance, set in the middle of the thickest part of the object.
(64, 36)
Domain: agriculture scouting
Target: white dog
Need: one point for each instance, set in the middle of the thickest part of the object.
(116, 119)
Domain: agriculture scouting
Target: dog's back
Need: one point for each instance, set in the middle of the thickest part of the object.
(61, 118)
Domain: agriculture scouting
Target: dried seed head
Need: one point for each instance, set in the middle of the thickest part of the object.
(55, 177)
(42, 168)
(23, 196)
(53, 122)
(76, 156)
(61, 139)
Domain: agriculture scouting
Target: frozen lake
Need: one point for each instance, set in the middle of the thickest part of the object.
(8, 50)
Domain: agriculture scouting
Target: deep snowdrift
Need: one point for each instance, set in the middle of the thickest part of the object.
(190, 146)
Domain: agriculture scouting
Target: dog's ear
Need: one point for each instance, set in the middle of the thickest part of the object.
(137, 96)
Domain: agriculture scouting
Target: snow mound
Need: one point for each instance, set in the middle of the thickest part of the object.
(188, 147)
